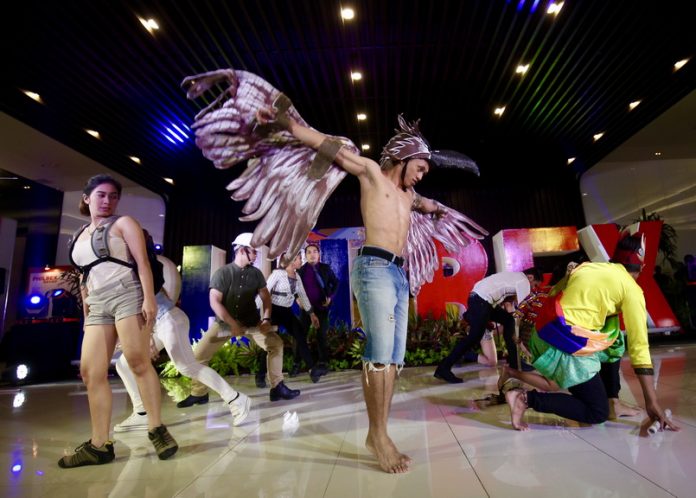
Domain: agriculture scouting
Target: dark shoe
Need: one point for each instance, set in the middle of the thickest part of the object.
(317, 372)
(447, 375)
(260, 380)
(294, 371)
(281, 391)
(164, 443)
(88, 454)
(192, 400)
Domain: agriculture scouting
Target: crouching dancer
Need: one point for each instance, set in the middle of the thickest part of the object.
(577, 330)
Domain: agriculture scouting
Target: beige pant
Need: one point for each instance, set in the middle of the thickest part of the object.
(211, 342)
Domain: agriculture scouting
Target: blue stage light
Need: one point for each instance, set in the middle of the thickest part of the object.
(177, 134)
(57, 292)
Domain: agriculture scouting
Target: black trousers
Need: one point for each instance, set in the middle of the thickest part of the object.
(479, 313)
(284, 317)
(322, 346)
(586, 403)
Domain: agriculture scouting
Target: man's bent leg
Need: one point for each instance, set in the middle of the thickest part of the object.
(273, 345)
(209, 344)
(587, 402)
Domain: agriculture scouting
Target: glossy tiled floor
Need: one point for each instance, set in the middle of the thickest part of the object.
(458, 450)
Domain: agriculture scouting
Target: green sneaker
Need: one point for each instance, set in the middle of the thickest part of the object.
(88, 454)
(164, 443)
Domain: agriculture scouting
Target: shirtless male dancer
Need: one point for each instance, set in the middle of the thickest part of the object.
(378, 278)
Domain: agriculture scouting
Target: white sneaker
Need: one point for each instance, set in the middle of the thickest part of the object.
(240, 408)
(135, 422)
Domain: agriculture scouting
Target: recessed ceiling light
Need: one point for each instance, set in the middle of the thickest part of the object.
(680, 64)
(168, 180)
(584, 194)
(33, 96)
(347, 13)
(365, 146)
(94, 133)
(554, 8)
(134, 159)
(658, 153)
(149, 24)
(356, 75)
(597, 136)
(634, 104)
(571, 160)
(362, 116)
(499, 111)
(161, 216)
(522, 69)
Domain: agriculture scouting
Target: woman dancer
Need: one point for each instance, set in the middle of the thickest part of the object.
(119, 303)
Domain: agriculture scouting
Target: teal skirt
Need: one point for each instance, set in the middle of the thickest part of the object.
(567, 370)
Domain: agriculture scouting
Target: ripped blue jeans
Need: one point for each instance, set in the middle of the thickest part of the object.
(381, 289)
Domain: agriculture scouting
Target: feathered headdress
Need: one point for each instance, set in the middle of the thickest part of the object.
(409, 143)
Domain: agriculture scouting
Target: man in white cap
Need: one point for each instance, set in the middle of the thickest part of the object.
(233, 291)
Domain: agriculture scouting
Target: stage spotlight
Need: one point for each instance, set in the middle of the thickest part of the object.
(21, 372)
(35, 300)
(158, 248)
(36, 304)
(57, 292)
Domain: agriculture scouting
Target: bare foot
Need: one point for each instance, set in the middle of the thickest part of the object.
(517, 399)
(504, 376)
(388, 456)
(618, 409)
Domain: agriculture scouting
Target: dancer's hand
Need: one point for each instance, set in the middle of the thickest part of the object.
(315, 321)
(265, 115)
(149, 311)
(265, 327)
(236, 329)
(655, 413)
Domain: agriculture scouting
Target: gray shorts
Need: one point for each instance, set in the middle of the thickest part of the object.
(114, 302)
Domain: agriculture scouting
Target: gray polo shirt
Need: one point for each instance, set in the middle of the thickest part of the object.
(239, 287)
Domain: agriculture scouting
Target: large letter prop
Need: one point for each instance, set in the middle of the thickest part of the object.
(453, 282)
(515, 248)
(599, 242)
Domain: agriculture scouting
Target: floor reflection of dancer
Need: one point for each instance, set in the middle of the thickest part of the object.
(119, 304)
(578, 329)
(171, 333)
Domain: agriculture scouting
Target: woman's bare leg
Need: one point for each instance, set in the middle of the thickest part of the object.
(135, 340)
(97, 349)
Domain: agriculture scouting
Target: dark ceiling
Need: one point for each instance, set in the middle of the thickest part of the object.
(449, 63)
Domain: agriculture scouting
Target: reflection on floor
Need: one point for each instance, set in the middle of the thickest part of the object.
(458, 449)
